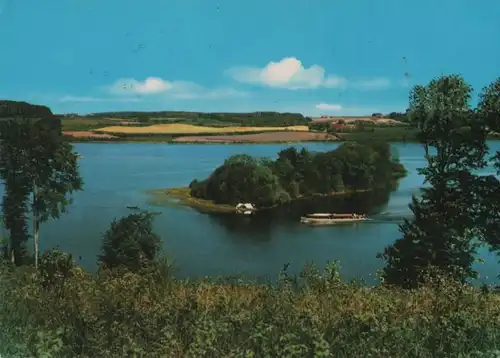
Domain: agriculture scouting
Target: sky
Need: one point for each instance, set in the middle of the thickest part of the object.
(316, 57)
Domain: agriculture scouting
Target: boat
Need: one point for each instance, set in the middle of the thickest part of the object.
(332, 218)
(134, 207)
(245, 208)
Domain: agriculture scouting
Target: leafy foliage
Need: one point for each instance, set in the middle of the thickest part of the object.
(56, 267)
(320, 126)
(314, 314)
(403, 117)
(130, 242)
(37, 162)
(294, 174)
(16, 109)
(449, 213)
(488, 110)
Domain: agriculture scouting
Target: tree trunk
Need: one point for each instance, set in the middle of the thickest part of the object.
(35, 224)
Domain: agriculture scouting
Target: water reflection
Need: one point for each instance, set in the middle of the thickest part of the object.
(261, 225)
(254, 227)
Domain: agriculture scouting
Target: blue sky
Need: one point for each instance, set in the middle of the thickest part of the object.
(337, 57)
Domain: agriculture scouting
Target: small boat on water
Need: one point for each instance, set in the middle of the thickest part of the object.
(331, 218)
(133, 207)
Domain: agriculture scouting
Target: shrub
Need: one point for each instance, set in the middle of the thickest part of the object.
(130, 242)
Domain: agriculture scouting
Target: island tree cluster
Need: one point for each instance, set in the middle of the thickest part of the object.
(298, 173)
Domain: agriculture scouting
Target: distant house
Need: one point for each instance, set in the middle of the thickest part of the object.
(245, 206)
(338, 125)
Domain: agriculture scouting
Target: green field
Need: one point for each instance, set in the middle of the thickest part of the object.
(389, 134)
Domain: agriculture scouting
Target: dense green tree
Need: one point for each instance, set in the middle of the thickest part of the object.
(297, 173)
(358, 165)
(17, 109)
(54, 176)
(130, 242)
(240, 179)
(55, 268)
(39, 170)
(320, 126)
(489, 110)
(443, 232)
(403, 117)
(244, 159)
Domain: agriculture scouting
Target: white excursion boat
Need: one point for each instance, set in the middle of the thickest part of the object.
(331, 219)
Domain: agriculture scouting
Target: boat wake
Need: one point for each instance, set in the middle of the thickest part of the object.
(389, 218)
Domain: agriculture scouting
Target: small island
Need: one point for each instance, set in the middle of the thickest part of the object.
(295, 174)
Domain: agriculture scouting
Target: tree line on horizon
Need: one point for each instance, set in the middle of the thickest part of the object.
(243, 119)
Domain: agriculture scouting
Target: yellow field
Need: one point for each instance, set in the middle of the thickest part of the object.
(178, 128)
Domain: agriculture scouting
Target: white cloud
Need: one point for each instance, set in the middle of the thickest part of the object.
(150, 85)
(288, 73)
(171, 89)
(329, 107)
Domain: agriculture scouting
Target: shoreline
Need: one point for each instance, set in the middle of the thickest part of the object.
(249, 138)
(229, 142)
(206, 143)
(183, 195)
(233, 142)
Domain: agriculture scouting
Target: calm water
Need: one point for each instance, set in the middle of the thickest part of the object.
(205, 245)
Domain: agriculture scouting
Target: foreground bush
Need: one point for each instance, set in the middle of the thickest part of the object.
(148, 314)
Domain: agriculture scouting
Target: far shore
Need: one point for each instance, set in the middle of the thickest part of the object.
(271, 137)
(183, 194)
(255, 138)
(289, 137)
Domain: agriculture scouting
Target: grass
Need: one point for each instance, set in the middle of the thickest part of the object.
(314, 314)
(165, 196)
(183, 129)
(389, 133)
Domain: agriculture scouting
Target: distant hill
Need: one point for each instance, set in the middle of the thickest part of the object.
(202, 118)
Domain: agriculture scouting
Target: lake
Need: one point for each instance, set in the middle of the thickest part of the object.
(200, 245)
